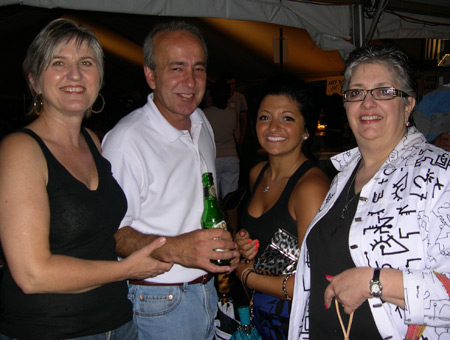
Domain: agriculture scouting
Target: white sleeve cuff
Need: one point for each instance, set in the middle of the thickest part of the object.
(414, 297)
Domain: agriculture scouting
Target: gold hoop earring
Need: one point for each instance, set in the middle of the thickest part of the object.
(103, 105)
(38, 104)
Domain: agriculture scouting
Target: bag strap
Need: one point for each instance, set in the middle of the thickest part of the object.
(346, 332)
(414, 332)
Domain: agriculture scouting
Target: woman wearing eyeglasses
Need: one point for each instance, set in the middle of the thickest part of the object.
(376, 257)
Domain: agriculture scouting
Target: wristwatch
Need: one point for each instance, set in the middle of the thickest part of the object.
(375, 286)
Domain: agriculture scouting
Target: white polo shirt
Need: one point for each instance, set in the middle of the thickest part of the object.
(160, 170)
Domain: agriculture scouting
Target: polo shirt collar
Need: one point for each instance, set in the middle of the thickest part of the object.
(166, 128)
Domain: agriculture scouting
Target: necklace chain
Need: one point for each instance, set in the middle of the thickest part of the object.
(267, 188)
(347, 201)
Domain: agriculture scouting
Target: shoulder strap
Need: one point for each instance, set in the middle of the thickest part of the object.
(90, 143)
(258, 179)
(308, 164)
(35, 137)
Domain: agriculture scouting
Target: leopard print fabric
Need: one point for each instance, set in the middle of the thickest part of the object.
(281, 255)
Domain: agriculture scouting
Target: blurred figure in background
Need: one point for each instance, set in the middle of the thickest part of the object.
(238, 103)
(432, 116)
(223, 120)
(336, 121)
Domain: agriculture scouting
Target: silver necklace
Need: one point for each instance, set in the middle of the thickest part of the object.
(267, 188)
(347, 202)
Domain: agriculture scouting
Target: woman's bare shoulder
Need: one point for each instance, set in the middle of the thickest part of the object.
(313, 182)
(20, 151)
(18, 142)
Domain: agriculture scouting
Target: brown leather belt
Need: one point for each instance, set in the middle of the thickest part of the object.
(202, 279)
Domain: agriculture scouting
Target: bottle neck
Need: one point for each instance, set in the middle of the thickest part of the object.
(211, 202)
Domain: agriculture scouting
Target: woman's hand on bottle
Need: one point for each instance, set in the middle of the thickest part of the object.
(246, 246)
(141, 264)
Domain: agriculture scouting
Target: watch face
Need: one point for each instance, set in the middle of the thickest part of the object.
(375, 288)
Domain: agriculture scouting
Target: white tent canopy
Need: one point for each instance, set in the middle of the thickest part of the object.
(329, 23)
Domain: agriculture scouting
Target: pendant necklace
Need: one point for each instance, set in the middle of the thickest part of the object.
(347, 202)
(267, 188)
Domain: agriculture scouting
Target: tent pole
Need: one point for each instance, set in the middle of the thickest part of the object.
(381, 6)
(281, 50)
(358, 26)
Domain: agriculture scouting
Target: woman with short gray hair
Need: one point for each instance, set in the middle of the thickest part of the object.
(379, 247)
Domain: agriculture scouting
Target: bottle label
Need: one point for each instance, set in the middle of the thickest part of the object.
(221, 224)
(209, 191)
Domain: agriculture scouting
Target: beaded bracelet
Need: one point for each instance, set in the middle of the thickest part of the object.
(283, 286)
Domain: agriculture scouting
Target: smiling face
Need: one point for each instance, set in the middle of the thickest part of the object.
(71, 82)
(380, 123)
(280, 125)
(179, 79)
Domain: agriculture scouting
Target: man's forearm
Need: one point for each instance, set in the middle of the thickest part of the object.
(129, 240)
(192, 250)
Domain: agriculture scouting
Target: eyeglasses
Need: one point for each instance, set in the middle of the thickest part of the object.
(379, 93)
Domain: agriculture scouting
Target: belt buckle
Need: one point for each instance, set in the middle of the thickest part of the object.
(204, 278)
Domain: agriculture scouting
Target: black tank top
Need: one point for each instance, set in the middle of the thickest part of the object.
(82, 225)
(329, 254)
(263, 227)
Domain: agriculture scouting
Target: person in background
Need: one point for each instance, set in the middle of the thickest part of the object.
(60, 205)
(286, 192)
(432, 116)
(379, 245)
(158, 154)
(336, 121)
(238, 103)
(224, 124)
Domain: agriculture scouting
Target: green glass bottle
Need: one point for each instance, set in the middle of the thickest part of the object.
(212, 216)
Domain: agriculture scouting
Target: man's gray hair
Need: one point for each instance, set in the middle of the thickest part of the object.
(172, 26)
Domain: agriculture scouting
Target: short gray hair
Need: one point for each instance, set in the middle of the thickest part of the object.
(171, 26)
(388, 55)
(46, 44)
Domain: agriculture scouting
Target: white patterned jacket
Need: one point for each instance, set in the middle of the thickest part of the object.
(402, 221)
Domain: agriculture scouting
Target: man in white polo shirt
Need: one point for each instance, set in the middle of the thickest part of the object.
(158, 154)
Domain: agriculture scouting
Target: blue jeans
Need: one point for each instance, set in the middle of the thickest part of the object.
(227, 172)
(172, 312)
(125, 332)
